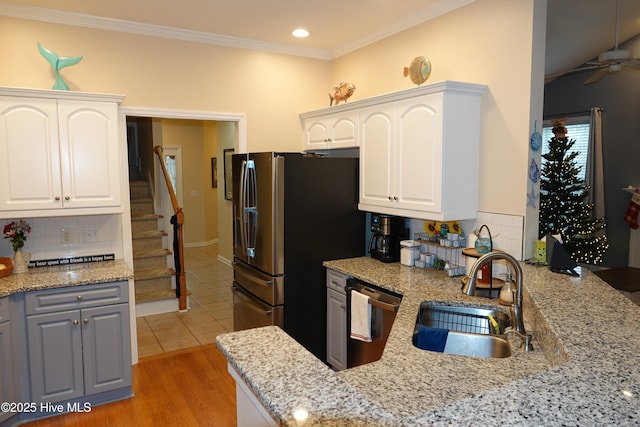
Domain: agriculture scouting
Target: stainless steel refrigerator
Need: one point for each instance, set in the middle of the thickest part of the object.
(290, 213)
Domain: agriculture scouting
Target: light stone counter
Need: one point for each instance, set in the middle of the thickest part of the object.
(69, 275)
(588, 373)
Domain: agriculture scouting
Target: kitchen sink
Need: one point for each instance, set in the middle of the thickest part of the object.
(470, 330)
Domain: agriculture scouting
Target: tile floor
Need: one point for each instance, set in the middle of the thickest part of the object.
(211, 313)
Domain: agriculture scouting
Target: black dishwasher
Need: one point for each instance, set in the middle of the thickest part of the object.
(384, 305)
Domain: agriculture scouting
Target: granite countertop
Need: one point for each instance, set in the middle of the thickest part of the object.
(584, 370)
(64, 276)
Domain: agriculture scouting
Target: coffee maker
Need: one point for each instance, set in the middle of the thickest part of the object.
(386, 233)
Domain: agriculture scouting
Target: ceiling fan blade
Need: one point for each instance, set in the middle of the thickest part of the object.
(595, 77)
(575, 70)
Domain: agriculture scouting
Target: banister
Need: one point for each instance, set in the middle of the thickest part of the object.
(178, 241)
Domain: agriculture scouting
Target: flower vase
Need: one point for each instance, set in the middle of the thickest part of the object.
(21, 261)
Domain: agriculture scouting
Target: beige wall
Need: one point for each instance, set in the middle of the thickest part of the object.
(499, 43)
(154, 72)
(226, 138)
(493, 42)
(188, 135)
(210, 194)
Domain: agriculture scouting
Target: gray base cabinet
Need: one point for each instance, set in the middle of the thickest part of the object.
(79, 342)
(6, 366)
(336, 320)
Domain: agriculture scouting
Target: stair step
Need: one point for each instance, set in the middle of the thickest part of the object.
(141, 206)
(148, 234)
(155, 273)
(145, 216)
(152, 253)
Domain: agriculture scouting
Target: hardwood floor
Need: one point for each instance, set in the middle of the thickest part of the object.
(188, 387)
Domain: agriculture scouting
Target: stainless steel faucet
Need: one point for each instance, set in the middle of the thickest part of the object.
(469, 288)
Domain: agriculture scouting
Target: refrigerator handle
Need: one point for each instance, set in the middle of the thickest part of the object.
(241, 202)
(248, 209)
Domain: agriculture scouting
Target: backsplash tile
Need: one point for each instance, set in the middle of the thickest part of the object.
(44, 241)
(507, 231)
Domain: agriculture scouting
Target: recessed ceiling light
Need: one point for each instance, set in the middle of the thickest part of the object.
(300, 33)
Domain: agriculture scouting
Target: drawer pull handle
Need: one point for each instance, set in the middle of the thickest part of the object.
(75, 322)
(79, 298)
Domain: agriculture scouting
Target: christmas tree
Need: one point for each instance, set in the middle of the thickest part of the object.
(564, 209)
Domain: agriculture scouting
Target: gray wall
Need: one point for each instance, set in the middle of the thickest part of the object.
(619, 95)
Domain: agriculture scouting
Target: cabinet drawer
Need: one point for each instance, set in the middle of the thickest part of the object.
(4, 309)
(336, 281)
(52, 300)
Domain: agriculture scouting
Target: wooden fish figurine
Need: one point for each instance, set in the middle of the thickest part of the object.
(57, 63)
(342, 92)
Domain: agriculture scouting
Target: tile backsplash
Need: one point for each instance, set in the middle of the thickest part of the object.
(87, 235)
(507, 231)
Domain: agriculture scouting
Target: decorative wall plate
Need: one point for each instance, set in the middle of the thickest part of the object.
(419, 70)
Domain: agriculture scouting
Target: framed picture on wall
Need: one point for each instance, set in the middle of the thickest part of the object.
(228, 152)
(214, 172)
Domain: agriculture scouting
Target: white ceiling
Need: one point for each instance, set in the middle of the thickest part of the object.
(577, 30)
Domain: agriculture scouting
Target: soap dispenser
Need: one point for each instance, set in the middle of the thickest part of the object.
(506, 292)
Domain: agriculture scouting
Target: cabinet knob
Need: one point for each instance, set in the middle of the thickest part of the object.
(79, 297)
(57, 198)
(85, 321)
(75, 322)
(342, 306)
(334, 281)
(67, 198)
(395, 198)
(390, 198)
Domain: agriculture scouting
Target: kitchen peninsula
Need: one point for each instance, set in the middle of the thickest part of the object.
(584, 370)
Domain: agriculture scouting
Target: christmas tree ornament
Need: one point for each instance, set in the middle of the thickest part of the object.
(536, 139)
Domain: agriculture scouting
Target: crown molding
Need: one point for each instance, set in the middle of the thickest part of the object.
(109, 24)
(96, 22)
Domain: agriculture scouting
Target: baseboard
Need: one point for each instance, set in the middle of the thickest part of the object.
(158, 307)
(201, 244)
(225, 261)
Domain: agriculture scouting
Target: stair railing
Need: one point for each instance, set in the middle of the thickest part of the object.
(178, 241)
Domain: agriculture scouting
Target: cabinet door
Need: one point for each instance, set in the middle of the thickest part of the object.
(29, 154)
(89, 153)
(6, 369)
(377, 130)
(418, 148)
(55, 356)
(316, 134)
(344, 130)
(106, 348)
(336, 329)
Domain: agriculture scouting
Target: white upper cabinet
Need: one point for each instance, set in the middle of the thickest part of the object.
(419, 153)
(59, 153)
(330, 131)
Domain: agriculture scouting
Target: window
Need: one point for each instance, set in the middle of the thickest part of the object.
(577, 129)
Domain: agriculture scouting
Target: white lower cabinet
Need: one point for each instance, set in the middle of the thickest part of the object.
(336, 320)
(250, 412)
(79, 341)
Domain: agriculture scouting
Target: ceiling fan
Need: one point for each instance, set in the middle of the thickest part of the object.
(610, 61)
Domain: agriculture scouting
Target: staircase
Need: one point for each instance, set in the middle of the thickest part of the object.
(154, 281)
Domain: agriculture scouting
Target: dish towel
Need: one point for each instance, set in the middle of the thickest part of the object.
(360, 317)
(433, 339)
